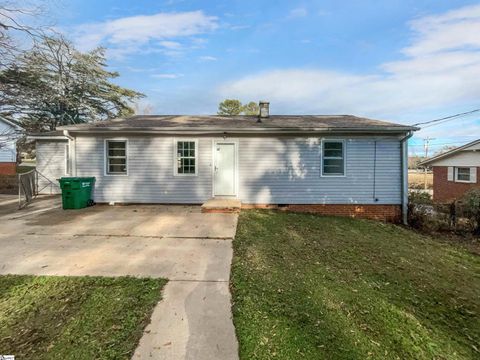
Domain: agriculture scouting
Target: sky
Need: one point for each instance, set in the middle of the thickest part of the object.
(402, 61)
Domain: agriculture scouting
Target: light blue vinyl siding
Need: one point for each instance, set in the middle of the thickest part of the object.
(150, 176)
(8, 147)
(288, 171)
(272, 170)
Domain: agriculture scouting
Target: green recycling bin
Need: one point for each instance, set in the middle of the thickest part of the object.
(76, 192)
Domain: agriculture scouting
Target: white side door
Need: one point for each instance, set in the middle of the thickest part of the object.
(224, 179)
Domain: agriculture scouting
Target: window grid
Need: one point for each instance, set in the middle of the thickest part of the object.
(333, 158)
(463, 174)
(186, 157)
(116, 157)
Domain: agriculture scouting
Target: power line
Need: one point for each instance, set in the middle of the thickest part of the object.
(447, 118)
(444, 121)
(439, 144)
(426, 143)
(448, 143)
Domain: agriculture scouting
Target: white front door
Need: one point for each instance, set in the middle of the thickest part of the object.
(224, 169)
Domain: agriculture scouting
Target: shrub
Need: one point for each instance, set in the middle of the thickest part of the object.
(471, 207)
(419, 198)
(420, 211)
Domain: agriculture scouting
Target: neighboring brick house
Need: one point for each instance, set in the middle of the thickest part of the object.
(455, 172)
(9, 133)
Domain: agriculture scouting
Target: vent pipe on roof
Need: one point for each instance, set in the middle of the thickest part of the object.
(264, 110)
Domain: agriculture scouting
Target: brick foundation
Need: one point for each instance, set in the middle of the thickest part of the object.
(445, 191)
(388, 213)
(8, 168)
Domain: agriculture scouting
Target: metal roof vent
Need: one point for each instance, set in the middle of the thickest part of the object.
(264, 110)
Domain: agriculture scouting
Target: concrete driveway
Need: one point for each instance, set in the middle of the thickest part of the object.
(191, 249)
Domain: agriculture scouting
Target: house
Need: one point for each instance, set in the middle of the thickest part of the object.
(455, 172)
(9, 133)
(342, 164)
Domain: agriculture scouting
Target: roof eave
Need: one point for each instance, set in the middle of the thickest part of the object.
(242, 130)
(448, 153)
(51, 137)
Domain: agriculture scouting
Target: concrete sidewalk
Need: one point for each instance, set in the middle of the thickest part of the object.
(193, 321)
(190, 249)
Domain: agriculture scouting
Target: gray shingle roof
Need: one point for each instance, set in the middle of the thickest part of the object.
(49, 134)
(240, 123)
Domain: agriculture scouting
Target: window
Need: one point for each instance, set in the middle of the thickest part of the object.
(67, 158)
(116, 157)
(462, 174)
(333, 158)
(186, 160)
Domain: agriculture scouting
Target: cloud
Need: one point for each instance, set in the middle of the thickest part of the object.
(208, 58)
(129, 34)
(238, 27)
(464, 128)
(167, 76)
(440, 69)
(298, 12)
(324, 13)
(453, 30)
(170, 44)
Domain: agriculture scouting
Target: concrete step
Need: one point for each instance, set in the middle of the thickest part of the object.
(222, 205)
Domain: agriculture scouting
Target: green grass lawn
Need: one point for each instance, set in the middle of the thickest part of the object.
(47, 317)
(311, 287)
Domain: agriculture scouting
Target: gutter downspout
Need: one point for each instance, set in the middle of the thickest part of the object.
(71, 153)
(404, 142)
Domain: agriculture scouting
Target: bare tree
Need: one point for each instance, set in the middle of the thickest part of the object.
(444, 149)
(54, 84)
(7, 136)
(16, 19)
(142, 108)
(48, 82)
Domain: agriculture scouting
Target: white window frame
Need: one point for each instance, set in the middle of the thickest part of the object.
(322, 156)
(68, 163)
(455, 171)
(105, 159)
(175, 156)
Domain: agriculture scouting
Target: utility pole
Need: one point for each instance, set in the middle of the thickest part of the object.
(426, 143)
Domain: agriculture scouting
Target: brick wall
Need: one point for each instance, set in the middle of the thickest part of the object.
(445, 191)
(389, 213)
(8, 184)
(8, 168)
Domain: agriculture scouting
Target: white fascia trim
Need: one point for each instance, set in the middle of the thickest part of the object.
(60, 137)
